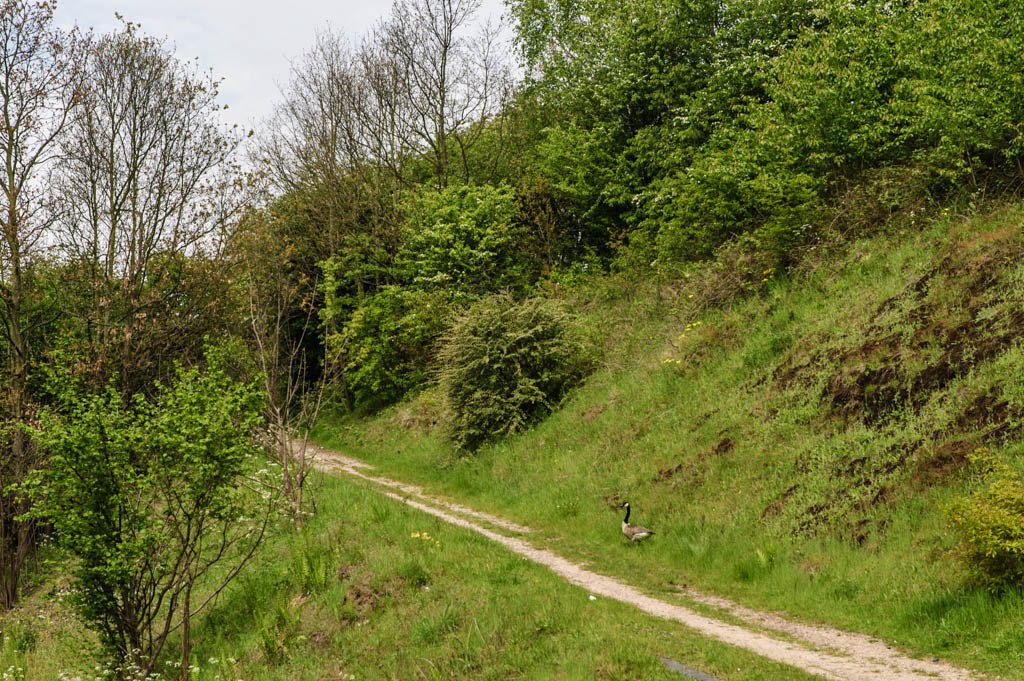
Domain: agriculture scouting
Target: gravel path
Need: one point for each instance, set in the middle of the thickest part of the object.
(823, 651)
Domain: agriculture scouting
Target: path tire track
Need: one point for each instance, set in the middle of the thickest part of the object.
(823, 651)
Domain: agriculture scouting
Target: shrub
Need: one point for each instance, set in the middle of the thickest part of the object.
(506, 365)
(991, 525)
(152, 499)
(385, 346)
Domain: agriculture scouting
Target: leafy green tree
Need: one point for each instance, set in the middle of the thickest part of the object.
(153, 499)
(466, 240)
(962, 105)
(866, 87)
(747, 181)
(385, 348)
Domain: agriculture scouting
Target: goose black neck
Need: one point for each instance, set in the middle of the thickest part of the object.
(626, 519)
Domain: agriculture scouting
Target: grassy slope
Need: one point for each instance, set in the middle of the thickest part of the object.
(795, 451)
(375, 590)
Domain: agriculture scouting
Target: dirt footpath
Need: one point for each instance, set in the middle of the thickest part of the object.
(826, 652)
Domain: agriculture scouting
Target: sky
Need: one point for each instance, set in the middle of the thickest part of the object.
(250, 44)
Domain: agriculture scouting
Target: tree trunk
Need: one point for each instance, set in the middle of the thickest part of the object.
(186, 632)
(17, 535)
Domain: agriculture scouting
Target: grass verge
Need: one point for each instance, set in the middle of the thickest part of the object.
(372, 589)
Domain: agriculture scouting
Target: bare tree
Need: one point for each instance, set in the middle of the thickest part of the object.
(320, 157)
(282, 315)
(39, 76)
(419, 86)
(452, 79)
(146, 177)
(312, 127)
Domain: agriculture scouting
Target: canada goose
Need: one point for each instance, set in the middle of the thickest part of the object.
(633, 532)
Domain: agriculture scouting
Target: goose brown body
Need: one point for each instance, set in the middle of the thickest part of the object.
(631, 531)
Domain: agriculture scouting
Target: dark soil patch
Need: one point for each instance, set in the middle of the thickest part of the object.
(989, 414)
(694, 471)
(957, 315)
(362, 594)
(724, 446)
(592, 413)
(933, 465)
(775, 507)
(321, 640)
(366, 592)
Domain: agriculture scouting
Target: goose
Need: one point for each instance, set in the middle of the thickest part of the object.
(633, 532)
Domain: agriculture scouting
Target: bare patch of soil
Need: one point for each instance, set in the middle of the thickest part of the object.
(419, 417)
(935, 464)
(776, 506)
(958, 314)
(693, 471)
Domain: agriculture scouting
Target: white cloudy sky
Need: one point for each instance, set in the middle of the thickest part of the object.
(247, 43)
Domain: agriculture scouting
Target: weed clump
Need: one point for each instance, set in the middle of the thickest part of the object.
(991, 524)
(506, 365)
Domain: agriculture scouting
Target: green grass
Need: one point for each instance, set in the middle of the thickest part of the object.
(795, 451)
(782, 455)
(372, 589)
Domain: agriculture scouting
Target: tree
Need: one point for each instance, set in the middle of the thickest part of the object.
(449, 81)
(465, 240)
(281, 318)
(39, 78)
(155, 499)
(318, 140)
(632, 92)
(384, 348)
(360, 126)
(146, 181)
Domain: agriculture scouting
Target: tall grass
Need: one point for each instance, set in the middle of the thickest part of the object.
(765, 488)
(371, 589)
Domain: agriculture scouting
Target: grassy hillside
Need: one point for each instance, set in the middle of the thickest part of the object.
(797, 448)
(375, 590)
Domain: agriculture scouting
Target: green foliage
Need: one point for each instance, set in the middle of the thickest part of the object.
(385, 347)
(581, 169)
(636, 90)
(990, 524)
(464, 239)
(146, 495)
(751, 183)
(815, 106)
(506, 365)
